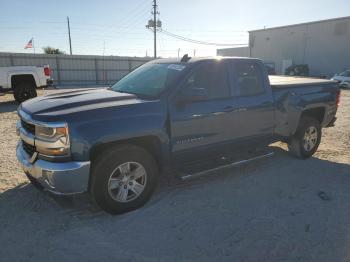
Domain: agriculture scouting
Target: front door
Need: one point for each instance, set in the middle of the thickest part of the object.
(201, 127)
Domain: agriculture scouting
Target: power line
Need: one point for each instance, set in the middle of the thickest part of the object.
(198, 41)
(111, 33)
(207, 30)
(139, 13)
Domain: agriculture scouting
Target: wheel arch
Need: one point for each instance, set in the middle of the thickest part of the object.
(18, 78)
(150, 143)
(317, 113)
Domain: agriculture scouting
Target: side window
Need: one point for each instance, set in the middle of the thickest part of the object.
(211, 76)
(249, 79)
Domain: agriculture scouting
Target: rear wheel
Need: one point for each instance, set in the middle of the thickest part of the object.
(123, 178)
(306, 140)
(24, 91)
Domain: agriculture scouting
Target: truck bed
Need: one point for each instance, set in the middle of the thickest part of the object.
(294, 81)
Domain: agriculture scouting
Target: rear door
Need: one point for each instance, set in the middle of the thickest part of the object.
(202, 128)
(256, 109)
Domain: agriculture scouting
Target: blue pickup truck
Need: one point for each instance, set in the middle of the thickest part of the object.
(194, 115)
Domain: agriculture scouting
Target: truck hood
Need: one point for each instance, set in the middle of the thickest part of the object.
(55, 107)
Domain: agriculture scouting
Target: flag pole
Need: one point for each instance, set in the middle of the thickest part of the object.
(33, 45)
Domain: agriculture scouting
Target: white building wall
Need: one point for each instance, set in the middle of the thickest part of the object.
(236, 51)
(323, 45)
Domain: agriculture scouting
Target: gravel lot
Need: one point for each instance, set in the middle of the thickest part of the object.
(277, 209)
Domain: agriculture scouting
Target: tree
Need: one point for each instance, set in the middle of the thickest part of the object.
(52, 51)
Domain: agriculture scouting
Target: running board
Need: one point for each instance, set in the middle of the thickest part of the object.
(185, 177)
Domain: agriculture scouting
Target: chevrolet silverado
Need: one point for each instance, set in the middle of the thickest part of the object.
(195, 115)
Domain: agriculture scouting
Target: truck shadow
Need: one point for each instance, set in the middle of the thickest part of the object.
(279, 202)
(8, 106)
(170, 184)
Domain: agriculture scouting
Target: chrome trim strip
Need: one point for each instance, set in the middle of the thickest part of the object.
(64, 194)
(18, 126)
(34, 141)
(46, 144)
(33, 158)
(26, 137)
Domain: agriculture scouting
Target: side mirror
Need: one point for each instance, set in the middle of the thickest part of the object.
(192, 95)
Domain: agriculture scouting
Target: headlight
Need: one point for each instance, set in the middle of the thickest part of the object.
(52, 140)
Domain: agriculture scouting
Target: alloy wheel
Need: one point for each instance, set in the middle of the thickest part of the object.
(127, 182)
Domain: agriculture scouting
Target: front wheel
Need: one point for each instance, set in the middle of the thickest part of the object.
(123, 178)
(307, 138)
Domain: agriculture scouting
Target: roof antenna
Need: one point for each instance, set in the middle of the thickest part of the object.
(185, 58)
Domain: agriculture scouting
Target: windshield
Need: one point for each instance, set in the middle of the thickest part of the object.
(149, 79)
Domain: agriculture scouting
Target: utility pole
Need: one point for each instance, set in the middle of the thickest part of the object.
(70, 40)
(155, 27)
(154, 24)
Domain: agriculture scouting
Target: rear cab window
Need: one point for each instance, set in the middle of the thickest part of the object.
(249, 78)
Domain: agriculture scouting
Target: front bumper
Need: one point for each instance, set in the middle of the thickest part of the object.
(59, 178)
(332, 122)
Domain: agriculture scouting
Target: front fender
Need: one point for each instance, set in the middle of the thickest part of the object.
(87, 135)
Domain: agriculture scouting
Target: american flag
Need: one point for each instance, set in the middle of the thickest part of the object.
(29, 44)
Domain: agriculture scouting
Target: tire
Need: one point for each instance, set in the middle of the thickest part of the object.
(304, 143)
(110, 180)
(24, 91)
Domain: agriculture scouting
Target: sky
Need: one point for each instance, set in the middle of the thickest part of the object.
(117, 27)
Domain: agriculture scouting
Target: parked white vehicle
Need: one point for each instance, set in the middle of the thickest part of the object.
(23, 80)
(343, 79)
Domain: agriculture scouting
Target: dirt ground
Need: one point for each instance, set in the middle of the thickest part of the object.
(277, 209)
